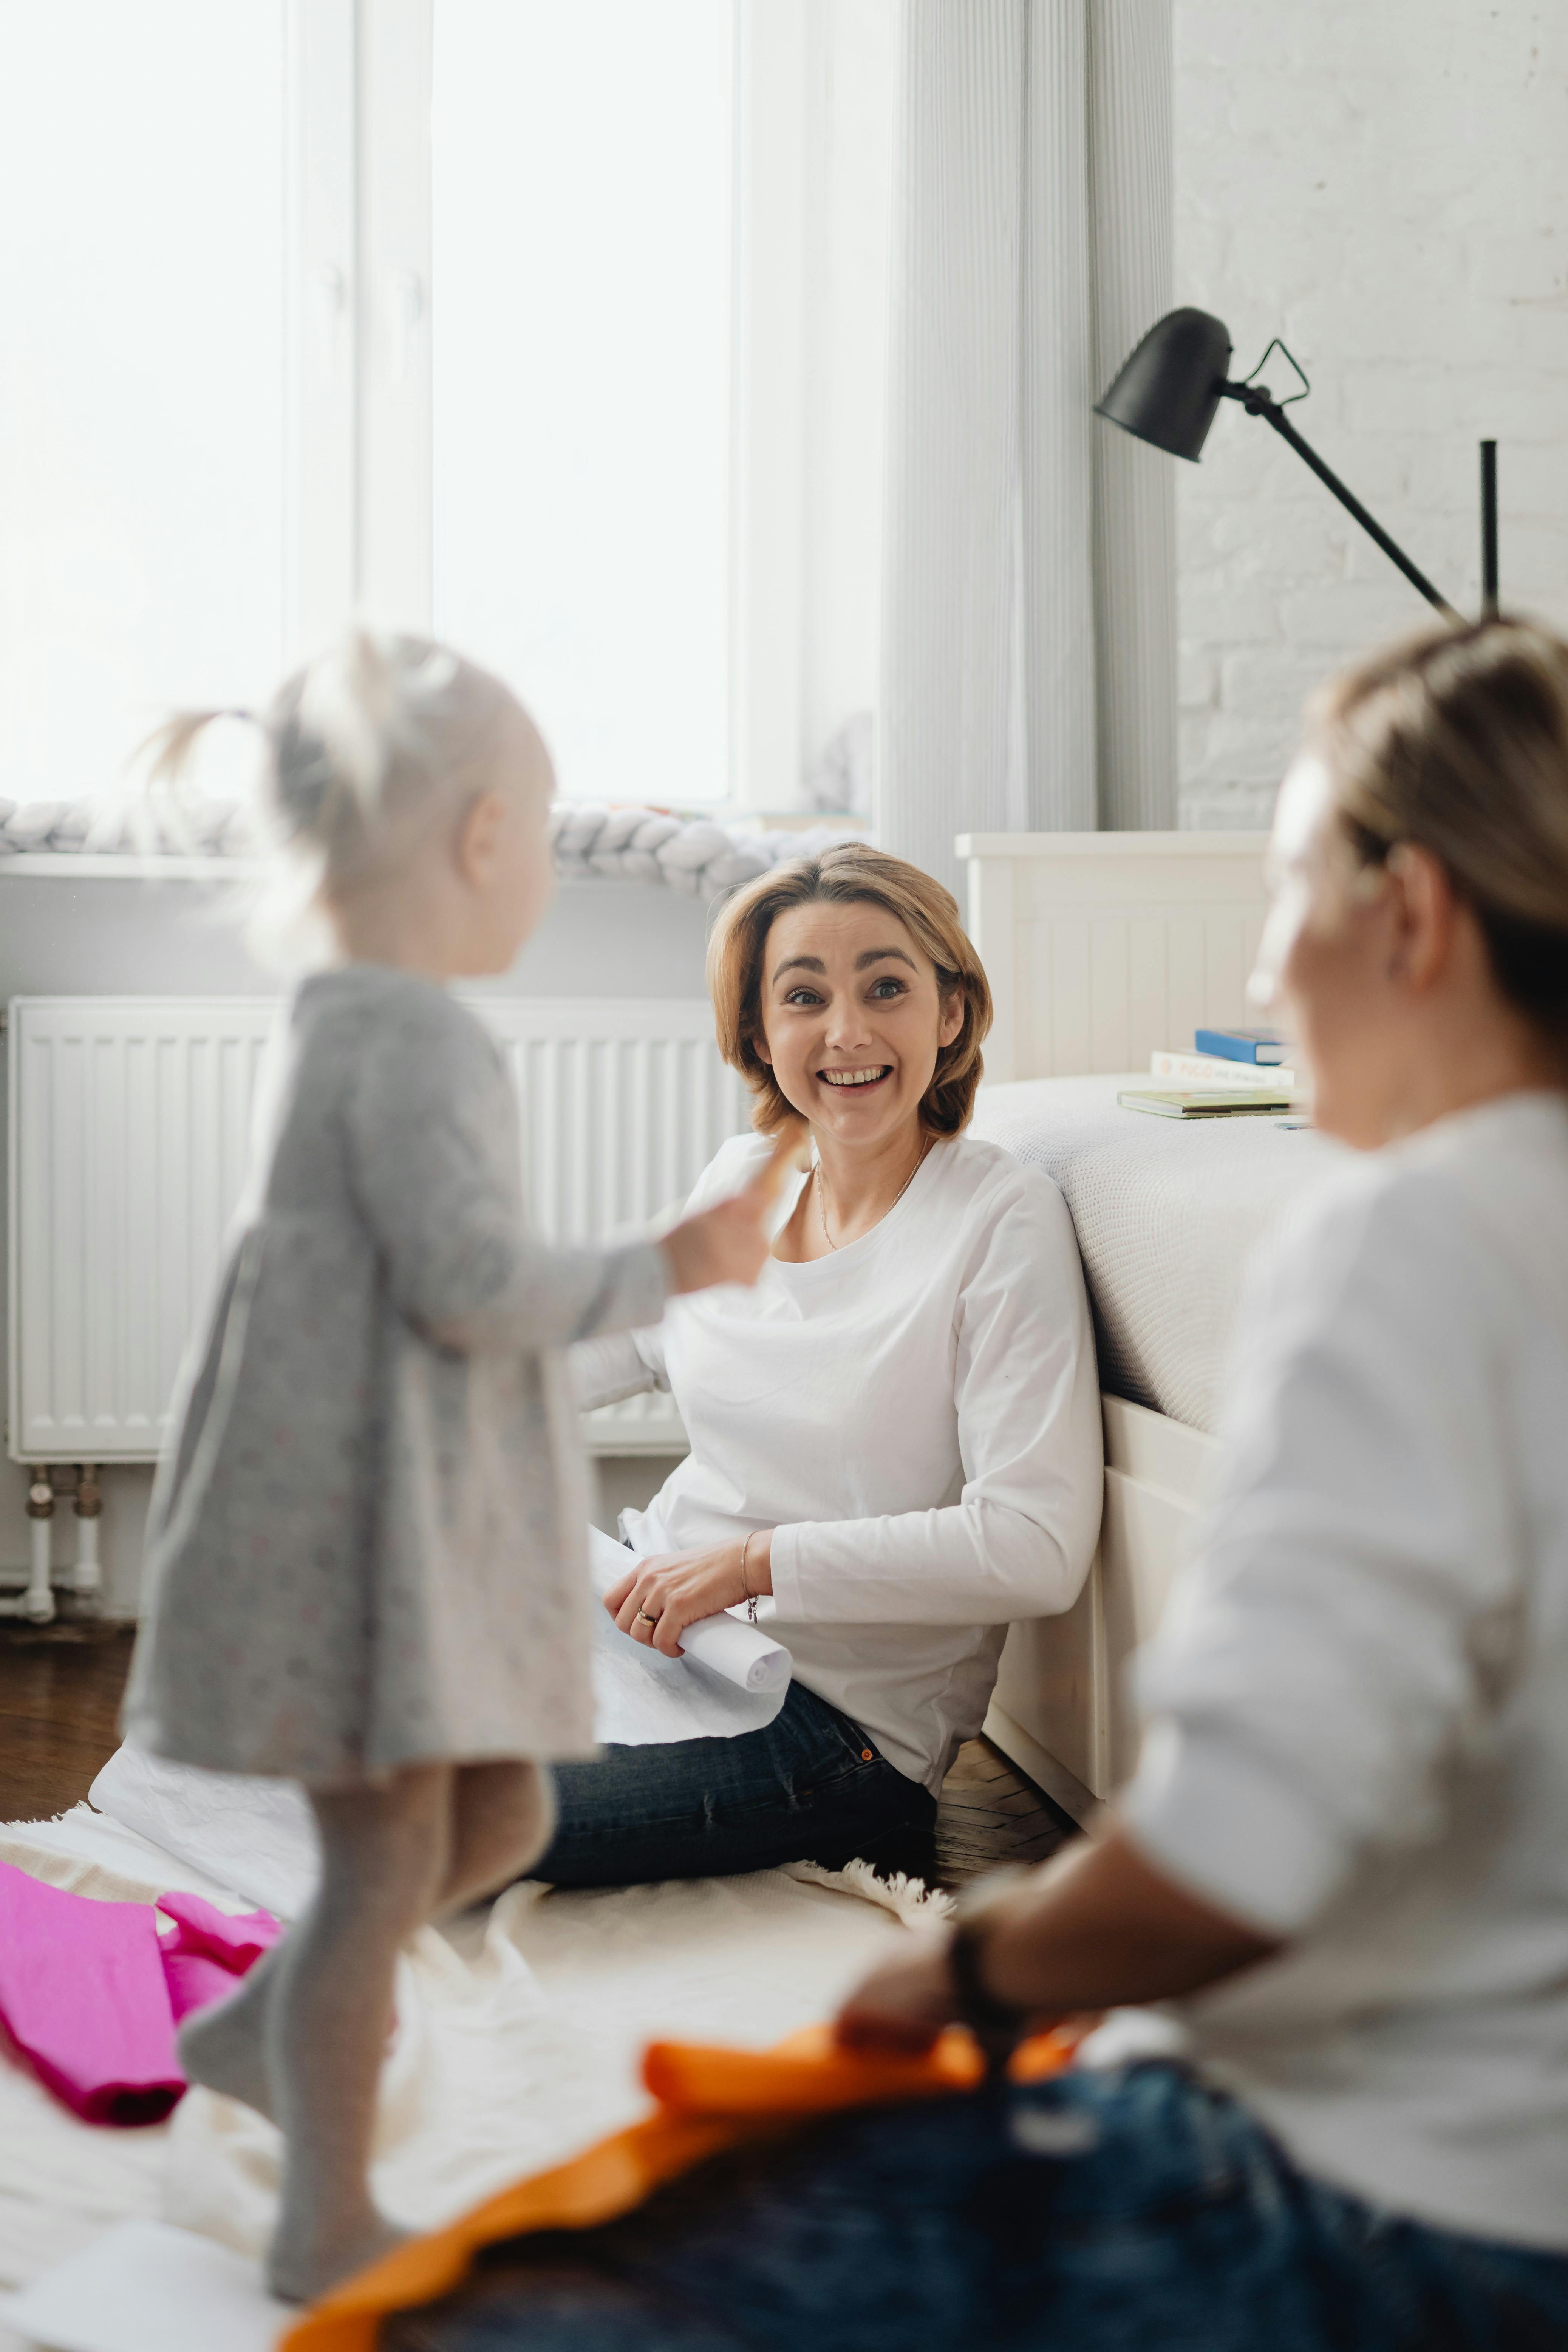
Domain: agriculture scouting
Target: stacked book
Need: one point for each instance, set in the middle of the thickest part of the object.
(1227, 1073)
(1210, 1062)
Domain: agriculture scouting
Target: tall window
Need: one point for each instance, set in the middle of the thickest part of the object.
(553, 325)
(141, 496)
(583, 170)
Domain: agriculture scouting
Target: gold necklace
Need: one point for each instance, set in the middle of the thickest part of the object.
(822, 1193)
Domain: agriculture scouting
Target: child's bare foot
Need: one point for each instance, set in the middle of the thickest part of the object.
(224, 2047)
(301, 2266)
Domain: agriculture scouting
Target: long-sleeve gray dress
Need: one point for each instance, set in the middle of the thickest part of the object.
(366, 1549)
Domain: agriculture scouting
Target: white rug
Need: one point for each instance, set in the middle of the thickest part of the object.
(143, 2287)
(517, 2038)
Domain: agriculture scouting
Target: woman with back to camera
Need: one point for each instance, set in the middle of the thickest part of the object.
(1342, 1856)
(895, 1444)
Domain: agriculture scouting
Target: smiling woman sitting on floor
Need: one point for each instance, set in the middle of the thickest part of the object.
(895, 1438)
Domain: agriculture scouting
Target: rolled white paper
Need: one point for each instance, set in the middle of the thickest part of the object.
(742, 1653)
(745, 1654)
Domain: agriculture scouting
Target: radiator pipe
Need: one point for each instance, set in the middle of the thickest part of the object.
(39, 1604)
(87, 1579)
(33, 1596)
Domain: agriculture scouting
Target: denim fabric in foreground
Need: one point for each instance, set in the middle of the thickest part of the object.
(809, 1787)
(1113, 2212)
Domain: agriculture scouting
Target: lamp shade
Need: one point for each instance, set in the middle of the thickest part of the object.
(1169, 389)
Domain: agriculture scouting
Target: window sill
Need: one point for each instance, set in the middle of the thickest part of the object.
(92, 865)
(699, 857)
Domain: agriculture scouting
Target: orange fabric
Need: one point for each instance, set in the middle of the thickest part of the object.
(709, 2099)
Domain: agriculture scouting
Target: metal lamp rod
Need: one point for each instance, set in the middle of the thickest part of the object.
(1257, 402)
(1489, 529)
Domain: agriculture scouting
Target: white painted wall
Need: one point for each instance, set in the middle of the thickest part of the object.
(99, 936)
(1385, 184)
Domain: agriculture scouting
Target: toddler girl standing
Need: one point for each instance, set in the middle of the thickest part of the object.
(366, 1556)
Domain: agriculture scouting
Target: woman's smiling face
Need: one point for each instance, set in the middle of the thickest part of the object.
(852, 1018)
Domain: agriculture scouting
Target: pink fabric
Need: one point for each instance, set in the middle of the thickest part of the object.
(90, 1993)
(209, 1951)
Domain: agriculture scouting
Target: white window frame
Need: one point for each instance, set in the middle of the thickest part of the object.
(767, 501)
(359, 301)
(321, 280)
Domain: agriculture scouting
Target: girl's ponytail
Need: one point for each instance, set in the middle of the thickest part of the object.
(159, 811)
(167, 751)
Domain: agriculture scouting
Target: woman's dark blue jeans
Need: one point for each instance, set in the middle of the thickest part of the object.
(1140, 2210)
(809, 1787)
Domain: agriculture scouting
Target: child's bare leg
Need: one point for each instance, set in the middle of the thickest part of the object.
(384, 1858)
(503, 1817)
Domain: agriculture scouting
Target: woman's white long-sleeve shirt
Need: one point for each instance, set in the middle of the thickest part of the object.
(1358, 1704)
(917, 1418)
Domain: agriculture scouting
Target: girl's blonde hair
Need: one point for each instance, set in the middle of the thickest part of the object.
(363, 747)
(850, 872)
(1458, 739)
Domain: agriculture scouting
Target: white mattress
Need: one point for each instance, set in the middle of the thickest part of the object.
(1167, 1212)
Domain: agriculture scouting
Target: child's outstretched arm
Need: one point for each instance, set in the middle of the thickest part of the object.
(421, 1119)
(728, 1241)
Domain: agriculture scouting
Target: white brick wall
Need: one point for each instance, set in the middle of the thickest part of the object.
(1385, 184)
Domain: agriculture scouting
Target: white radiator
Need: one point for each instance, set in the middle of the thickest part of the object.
(129, 1127)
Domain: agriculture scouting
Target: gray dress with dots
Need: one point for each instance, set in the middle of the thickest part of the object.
(366, 1546)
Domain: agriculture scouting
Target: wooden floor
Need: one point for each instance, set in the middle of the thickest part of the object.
(989, 1814)
(59, 1702)
(60, 1705)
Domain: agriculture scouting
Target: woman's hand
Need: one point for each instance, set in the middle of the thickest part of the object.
(657, 1599)
(905, 2002)
(1098, 1928)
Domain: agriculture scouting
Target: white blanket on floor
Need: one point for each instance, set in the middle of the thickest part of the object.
(518, 2039)
(257, 1836)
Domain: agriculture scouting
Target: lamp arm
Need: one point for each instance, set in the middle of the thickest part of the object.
(1257, 403)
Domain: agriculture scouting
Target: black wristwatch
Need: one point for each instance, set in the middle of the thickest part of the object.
(996, 2025)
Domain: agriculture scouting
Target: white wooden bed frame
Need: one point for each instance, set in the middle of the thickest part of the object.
(1101, 948)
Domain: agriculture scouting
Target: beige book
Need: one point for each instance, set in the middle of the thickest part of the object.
(1209, 1102)
(1190, 1069)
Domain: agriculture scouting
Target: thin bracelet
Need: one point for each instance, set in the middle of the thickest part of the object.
(750, 1597)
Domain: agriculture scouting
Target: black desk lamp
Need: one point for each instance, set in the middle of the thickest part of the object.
(1169, 392)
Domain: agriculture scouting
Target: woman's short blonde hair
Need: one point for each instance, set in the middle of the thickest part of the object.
(1456, 740)
(851, 871)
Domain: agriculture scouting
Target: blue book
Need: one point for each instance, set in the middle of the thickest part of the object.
(1242, 1045)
